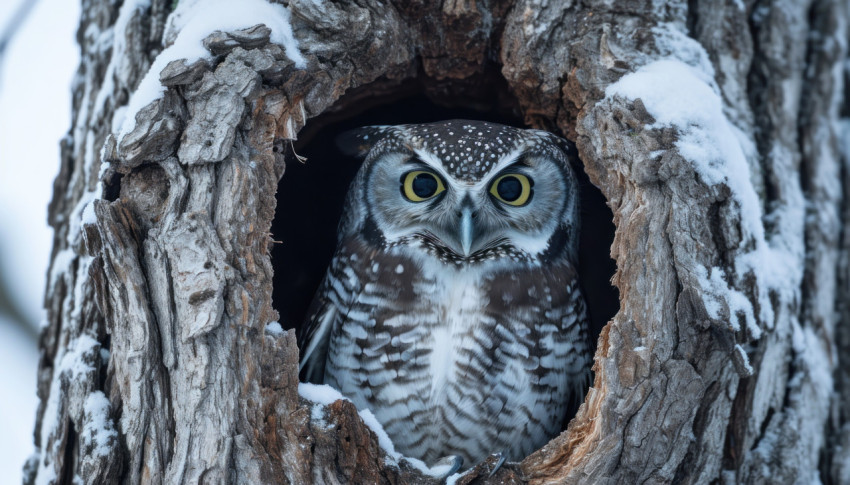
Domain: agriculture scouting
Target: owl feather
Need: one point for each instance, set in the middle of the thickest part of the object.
(451, 308)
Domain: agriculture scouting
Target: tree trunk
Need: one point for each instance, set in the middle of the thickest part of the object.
(726, 362)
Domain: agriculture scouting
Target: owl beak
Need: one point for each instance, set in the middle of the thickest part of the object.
(466, 215)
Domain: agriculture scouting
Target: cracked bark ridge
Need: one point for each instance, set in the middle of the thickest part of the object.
(157, 363)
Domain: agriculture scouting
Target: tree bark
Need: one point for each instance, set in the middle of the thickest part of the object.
(158, 363)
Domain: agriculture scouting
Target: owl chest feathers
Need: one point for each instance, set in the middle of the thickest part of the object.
(452, 359)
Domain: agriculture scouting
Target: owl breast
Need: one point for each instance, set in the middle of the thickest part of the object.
(467, 361)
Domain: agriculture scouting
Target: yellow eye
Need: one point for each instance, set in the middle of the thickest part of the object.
(512, 189)
(419, 185)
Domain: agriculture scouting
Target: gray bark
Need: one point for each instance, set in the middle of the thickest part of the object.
(157, 365)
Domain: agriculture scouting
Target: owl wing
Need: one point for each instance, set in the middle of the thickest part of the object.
(314, 337)
(330, 305)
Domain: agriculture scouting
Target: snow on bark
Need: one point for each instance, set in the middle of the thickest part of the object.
(78, 363)
(323, 395)
(186, 29)
(686, 99)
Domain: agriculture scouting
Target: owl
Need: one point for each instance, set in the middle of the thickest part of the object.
(451, 308)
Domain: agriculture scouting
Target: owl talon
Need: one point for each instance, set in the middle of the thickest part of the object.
(447, 465)
(500, 460)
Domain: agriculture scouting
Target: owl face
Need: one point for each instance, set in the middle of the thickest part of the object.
(468, 191)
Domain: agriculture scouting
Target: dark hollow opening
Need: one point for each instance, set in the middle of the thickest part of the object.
(311, 197)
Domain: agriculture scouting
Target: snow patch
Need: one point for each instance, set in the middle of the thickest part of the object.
(274, 328)
(72, 361)
(119, 47)
(80, 285)
(679, 91)
(714, 280)
(394, 457)
(118, 118)
(71, 365)
(324, 395)
(319, 393)
(674, 43)
(678, 95)
(813, 376)
(817, 367)
(61, 265)
(195, 20)
(744, 359)
(99, 431)
(88, 216)
(83, 213)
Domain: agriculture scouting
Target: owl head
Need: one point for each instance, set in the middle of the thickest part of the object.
(465, 191)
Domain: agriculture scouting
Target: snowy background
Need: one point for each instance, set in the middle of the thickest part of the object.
(35, 112)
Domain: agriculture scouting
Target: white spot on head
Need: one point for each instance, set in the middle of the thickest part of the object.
(399, 269)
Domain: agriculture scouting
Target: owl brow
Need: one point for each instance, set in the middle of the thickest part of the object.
(521, 161)
(511, 166)
(433, 164)
(412, 159)
(511, 159)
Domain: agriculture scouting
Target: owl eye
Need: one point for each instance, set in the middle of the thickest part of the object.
(419, 185)
(512, 189)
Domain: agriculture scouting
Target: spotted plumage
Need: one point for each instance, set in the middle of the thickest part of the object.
(451, 308)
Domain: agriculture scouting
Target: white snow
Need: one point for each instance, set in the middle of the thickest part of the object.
(88, 216)
(72, 365)
(679, 91)
(745, 359)
(274, 328)
(319, 393)
(119, 47)
(383, 438)
(83, 213)
(673, 42)
(72, 360)
(99, 431)
(61, 263)
(195, 20)
(324, 395)
(80, 285)
(714, 280)
(810, 349)
(677, 94)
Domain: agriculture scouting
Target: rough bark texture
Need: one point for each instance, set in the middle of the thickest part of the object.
(157, 364)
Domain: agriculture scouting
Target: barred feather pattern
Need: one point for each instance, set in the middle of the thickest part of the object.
(467, 352)
(469, 361)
